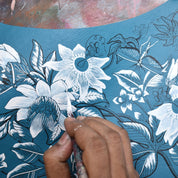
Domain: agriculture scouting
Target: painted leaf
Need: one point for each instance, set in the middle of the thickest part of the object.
(151, 63)
(8, 54)
(18, 132)
(129, 54)
(36, 58)
(53, 135)
(138, 151)
(155, 81)
(49, 72)
(162, 28)
(24, 170)
(127, 79)
(5, 117)
(161, 36)
(89, 111)
(113, 48)
(173, 153)
(3, 130)
(117, 39)
(92, 96)
(28, 152)
(138, 133)
(146, 165)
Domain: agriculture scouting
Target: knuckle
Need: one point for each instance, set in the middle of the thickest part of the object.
(123, 132)
(47, 155)
(134, 174)
(113, 137)
(96, 143)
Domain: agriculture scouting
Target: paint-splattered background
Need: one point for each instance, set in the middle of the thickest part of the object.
(71, 13)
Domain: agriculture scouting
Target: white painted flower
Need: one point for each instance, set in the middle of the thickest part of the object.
(124, 101)
(8, 54)
(139, 94)
(2, 163)
(79, 72)
(167, 113)
(41, 105)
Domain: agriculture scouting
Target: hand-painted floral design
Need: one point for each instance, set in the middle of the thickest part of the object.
(141, 96)
(79, 72)
(42, 105)
(168, 29)
(168, 116)
(8, 54)
(124, 101)
(2, 162)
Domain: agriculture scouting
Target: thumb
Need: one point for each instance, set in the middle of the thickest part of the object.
(55, 158)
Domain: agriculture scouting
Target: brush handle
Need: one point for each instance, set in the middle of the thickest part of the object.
(81, 171)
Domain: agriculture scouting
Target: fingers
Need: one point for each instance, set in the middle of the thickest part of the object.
(115, 147)
(95, 152)
(123, 136)
(94, 136)
(56, 157)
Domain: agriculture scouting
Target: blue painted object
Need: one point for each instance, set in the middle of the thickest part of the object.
(125, 72)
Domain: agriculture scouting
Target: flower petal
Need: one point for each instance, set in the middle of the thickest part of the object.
(162, 112)
(95, 83)
(99, 73)
(22, 114)
(174, 92)
(65, 53)
(83, 85)
(123, 109)
(129, 106)
(19, 102)
(5, 57)
(58, 87)
(122, 92)
(27, 90)
(61, 121)
(79, 51)
(163, 126)
(58, 65)
(99, 62)
(36, 125)
(42, 89)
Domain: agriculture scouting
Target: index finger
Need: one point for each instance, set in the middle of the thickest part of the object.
(95, 152)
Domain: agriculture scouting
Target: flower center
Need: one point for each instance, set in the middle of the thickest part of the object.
(81, 64)
(175, 106)
(45, 106)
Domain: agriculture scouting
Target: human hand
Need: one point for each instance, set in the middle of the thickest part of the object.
(106, 150)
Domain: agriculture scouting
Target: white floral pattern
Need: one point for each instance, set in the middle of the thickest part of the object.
(43, 93)
(79, 72)
(168, 117)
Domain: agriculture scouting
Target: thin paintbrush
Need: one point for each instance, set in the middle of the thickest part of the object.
(81, 171)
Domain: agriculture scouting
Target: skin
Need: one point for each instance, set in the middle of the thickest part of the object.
(106, 150)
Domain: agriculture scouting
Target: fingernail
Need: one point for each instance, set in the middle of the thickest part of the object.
(70, 119)
(64, 139)
(81, 118)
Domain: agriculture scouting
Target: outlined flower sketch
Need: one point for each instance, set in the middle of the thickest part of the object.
(42, 105)
(79, 72)
(168, 116)
(168, 28)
